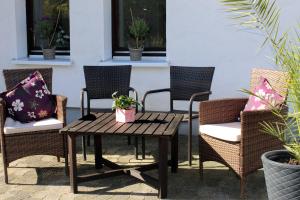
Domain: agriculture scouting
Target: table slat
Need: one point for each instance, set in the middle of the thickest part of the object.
(154, 126)
(162, 127)
(144, 126)
(125, 126)
(137, 124)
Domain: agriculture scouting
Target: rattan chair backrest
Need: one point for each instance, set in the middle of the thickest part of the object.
(277, 79)
(14, 76)
(102, 81)
(185, 81)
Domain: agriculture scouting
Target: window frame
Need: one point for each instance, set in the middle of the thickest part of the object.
(152, 52)
(29, 22)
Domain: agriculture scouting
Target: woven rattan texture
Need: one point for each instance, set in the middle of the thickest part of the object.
(244, 156)
(102, 81)
(14, 76)
(185, 81)
(47, 142)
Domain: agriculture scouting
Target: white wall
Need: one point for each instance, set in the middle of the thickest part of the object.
(199, 33)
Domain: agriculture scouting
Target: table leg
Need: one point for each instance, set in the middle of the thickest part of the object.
(98, 151)
(73, 163)
(163, 168)
(136, 147)
(65, 145)
(174, 153)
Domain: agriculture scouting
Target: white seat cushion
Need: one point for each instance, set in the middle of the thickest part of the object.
(226, 131)
(11, 126)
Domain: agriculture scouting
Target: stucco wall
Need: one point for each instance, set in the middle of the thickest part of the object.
(199, 33)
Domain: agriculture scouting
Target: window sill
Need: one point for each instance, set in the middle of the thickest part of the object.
(145, 62)
(41, 61)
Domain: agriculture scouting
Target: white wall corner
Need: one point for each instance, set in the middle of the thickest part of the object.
(20, 29)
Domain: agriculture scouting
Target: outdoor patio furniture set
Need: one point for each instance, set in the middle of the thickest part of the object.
(224, 138)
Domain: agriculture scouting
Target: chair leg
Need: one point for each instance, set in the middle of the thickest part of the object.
(88, 142)
(242, 187)
(190, 143)
(143, 147)
(5, 173)
(200, 159)
(128, 140)
(83, 148)
(136, 149)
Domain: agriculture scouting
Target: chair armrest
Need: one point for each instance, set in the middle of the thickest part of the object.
(192, 101)
(61, 103)
(2, 114)
(152, 92)
(135, 93)
(220, 111)
(83, 90)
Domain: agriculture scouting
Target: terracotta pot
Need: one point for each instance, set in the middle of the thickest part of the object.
(49, 54)
(125, 116)
(136, 54)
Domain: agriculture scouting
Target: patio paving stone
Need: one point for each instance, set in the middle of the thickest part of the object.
(42, 177)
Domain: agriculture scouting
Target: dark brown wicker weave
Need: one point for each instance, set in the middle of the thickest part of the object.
(242, 157)
(101, 83)
(187, 84)
(19, 145)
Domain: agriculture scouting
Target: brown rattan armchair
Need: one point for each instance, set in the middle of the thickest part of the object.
(46, 142)
(240, 153)
(101, 83)
(186, 84)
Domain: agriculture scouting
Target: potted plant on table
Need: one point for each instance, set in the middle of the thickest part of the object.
(51, 33)
(138, 30)
(125, 108)
(281, 167)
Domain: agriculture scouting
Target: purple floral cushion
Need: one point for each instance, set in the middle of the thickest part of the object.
(30, 100)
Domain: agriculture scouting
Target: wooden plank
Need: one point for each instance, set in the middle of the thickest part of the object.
(84, 123)
(95, 176)
(101, 123)
(173, 126)
(162, 127)
(154, 126)
(137, 124)
(94, 123)
(145, 125)
(125, 126)
(107, 126)
(72, 124)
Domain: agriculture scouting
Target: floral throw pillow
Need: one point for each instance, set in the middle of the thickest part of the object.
(30, 100)
(265, 97)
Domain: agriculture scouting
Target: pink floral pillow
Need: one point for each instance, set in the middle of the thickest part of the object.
(265, 97)
(30, 100)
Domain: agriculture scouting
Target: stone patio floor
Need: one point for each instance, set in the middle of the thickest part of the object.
(42, 177)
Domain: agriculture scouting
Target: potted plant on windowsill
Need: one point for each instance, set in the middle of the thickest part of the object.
(138, 30)
(125, 108)
(51, 33)
(281, 167)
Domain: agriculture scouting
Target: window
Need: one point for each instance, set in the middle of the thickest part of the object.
(48, 26)
(153, 12)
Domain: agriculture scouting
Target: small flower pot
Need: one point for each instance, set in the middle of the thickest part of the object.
(282, 179)
(136, 54)
(125, 116)
(49, 54)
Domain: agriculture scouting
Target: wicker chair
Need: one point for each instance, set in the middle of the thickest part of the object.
(101, 82)
(46, 142)
(187, 84)
(243, 154)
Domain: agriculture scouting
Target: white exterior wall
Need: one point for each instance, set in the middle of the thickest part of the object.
(199, 33)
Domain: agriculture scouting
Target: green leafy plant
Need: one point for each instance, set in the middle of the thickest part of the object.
(123, 102)
(139, 30)
(264, 15)
(50, 31)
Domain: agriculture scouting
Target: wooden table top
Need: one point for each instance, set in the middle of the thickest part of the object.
(146, 124)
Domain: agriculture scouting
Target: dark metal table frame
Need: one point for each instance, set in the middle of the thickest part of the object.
(137, 172)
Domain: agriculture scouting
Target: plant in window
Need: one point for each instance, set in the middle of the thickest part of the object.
(50, 31)
(281, 167)
(138, 30)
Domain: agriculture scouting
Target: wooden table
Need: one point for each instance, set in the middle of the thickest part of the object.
(164, 126)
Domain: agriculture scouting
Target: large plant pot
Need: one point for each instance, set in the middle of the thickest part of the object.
(135, 54)
(49, 54)
(282, 180)
(125, 116)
